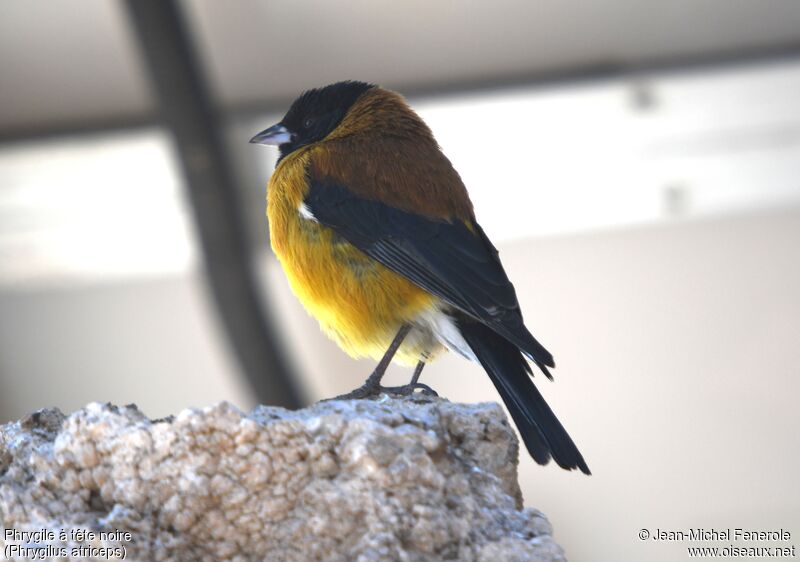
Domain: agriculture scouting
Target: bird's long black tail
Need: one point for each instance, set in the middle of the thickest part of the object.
(543, 434)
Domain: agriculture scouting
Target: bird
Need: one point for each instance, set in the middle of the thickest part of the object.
(378, 238)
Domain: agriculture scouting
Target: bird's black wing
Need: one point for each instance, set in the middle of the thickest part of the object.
(458, 264)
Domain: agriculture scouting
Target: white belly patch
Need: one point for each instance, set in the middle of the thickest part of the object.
(441, 326)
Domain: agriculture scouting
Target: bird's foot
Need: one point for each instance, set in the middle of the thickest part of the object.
(408, 389)
(372, 390)
(360, 393)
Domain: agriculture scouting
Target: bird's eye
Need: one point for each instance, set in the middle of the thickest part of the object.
(308, 122)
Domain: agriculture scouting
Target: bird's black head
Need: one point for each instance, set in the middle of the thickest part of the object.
(312, 116)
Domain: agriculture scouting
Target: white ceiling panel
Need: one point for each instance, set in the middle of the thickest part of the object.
(67, 62)
(271, 50)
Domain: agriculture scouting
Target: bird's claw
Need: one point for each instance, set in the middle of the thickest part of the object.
(371, 391)
(408, 389)
(360, 393)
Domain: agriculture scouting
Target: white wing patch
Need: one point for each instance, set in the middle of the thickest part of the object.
(306, 213)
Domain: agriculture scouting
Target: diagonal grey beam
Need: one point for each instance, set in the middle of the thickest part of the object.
(187, 110)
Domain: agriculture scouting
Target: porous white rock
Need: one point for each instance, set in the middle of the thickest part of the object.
(343, 481)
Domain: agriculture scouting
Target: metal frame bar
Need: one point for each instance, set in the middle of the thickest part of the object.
(188, 112)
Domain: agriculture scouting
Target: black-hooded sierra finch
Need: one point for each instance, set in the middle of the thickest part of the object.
(377, 235)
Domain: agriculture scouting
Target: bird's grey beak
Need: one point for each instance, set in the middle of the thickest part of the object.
(275, 135)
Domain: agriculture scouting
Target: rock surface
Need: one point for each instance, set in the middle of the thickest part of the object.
(395, 479)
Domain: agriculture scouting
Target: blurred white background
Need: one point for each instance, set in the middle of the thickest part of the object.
(635, 162)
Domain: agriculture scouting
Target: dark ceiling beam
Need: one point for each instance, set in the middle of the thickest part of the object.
(577, 74)
(84, 127)
(187, 111)
(594, 71)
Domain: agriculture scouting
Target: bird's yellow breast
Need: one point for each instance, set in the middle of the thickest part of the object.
(360, 303)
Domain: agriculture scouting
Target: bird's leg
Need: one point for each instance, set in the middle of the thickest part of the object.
(414, 384)
(372, 385)
(417, 372)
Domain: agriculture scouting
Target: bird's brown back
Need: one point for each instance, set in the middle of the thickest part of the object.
(383, 151)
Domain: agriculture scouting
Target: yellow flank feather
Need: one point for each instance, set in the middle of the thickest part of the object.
(358, 302)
